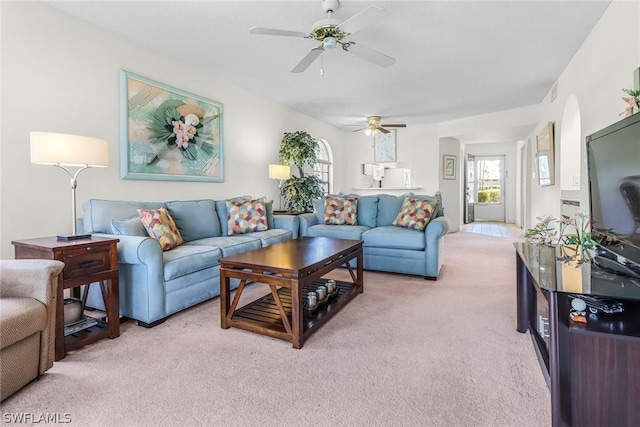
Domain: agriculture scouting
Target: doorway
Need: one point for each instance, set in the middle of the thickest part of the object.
(488, 190)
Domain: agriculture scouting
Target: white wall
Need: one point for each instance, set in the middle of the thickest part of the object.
(61, 74)
(417, 147)
(452, 189)
(601, 67)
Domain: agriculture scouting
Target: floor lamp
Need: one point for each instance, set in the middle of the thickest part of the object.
(63, 150)
(281, 173)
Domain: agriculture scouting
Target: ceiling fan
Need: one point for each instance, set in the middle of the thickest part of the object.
(331, 32)
(373, 126)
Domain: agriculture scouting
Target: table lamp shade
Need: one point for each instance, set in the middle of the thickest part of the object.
(279, 172)
(71, 150)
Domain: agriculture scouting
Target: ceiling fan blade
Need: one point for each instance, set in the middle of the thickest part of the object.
(276, 32)
(371, 55)
(307, 60)
(362, 19)
(383, 130)
(395, 126)
(358, 130)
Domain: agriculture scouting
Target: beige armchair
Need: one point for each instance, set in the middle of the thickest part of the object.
(27, 320)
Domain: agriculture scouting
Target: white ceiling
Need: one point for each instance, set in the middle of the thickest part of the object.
(454, 59)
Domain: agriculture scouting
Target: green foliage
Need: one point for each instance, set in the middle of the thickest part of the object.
(573, 236)
(633, 93)
(489, 196)
(300, 149)
(299, 193)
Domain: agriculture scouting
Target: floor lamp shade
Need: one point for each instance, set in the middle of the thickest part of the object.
(70, 150)
(279, 172)
(63, 150)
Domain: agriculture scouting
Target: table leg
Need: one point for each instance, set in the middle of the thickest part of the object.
(112, 306)
(60, 351)
(360, 282)
(296, 313)
(224, 299)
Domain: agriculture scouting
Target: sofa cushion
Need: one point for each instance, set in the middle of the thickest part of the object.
(221, 210)
(129, 227)
(437, 199)
(97, 214)
(367, 210)
(352, 232)
(272, 236)
(196, 219)
(340, 210)
(388, 208)
(246, 216)
(161, 227)
(392, 237)
(232, 245)
(20, 318)
(415, 213)
(187, 259)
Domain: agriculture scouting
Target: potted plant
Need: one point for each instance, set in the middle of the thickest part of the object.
(300, 149)
(580, 242)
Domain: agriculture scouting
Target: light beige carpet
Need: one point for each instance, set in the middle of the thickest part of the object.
(407, 352)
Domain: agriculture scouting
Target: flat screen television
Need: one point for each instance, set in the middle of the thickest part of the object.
(613, 155)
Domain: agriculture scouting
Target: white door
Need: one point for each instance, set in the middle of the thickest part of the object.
(490, 180)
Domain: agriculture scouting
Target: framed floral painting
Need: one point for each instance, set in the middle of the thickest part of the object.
(167, 133)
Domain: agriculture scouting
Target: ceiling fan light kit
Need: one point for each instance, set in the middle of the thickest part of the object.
(374, 127)
(331, 32)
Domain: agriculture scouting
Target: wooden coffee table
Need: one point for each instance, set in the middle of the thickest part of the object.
(291, 269)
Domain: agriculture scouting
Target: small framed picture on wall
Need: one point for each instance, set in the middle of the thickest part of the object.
(448, 166)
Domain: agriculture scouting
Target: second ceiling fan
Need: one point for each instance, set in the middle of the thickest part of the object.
(331, 32)
(373, 126)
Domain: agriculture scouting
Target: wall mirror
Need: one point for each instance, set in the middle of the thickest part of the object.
(546, 166)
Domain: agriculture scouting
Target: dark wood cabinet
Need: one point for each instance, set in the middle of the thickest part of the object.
(86, 261)
(593, 369)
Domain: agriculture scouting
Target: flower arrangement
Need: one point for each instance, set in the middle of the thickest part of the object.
(572, 233)
(178, 125)
(633, 100)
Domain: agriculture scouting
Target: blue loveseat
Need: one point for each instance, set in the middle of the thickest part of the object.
(155, 283)
(387, 247)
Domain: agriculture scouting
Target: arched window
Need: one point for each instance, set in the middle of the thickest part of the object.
(324, 168)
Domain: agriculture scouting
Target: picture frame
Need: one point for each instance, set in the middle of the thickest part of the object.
(168, 134)
(545, 156)
(448, 166)
(384, 147)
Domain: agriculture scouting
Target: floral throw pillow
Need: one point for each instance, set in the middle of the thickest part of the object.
(161, 227)
(341, 210)
(415, 213)
(246, 216)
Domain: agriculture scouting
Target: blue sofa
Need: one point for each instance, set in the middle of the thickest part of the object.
(387, 247)
(155, 283)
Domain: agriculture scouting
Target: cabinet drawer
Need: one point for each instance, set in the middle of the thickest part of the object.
(85, 261)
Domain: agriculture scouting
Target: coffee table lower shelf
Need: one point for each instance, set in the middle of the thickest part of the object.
(263, 313)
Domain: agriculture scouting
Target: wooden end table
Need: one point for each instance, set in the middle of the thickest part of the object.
(291, 269)
(86, 261)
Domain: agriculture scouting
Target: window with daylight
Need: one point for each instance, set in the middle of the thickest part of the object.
(324, 168)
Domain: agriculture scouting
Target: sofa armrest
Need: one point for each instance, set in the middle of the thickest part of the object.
(33, 278)
(287, 222)
(138, 250)
(38, 279)
(437, 228)
(306, 221)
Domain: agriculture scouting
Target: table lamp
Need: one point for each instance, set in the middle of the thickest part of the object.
(62, 150)
(281, 173)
